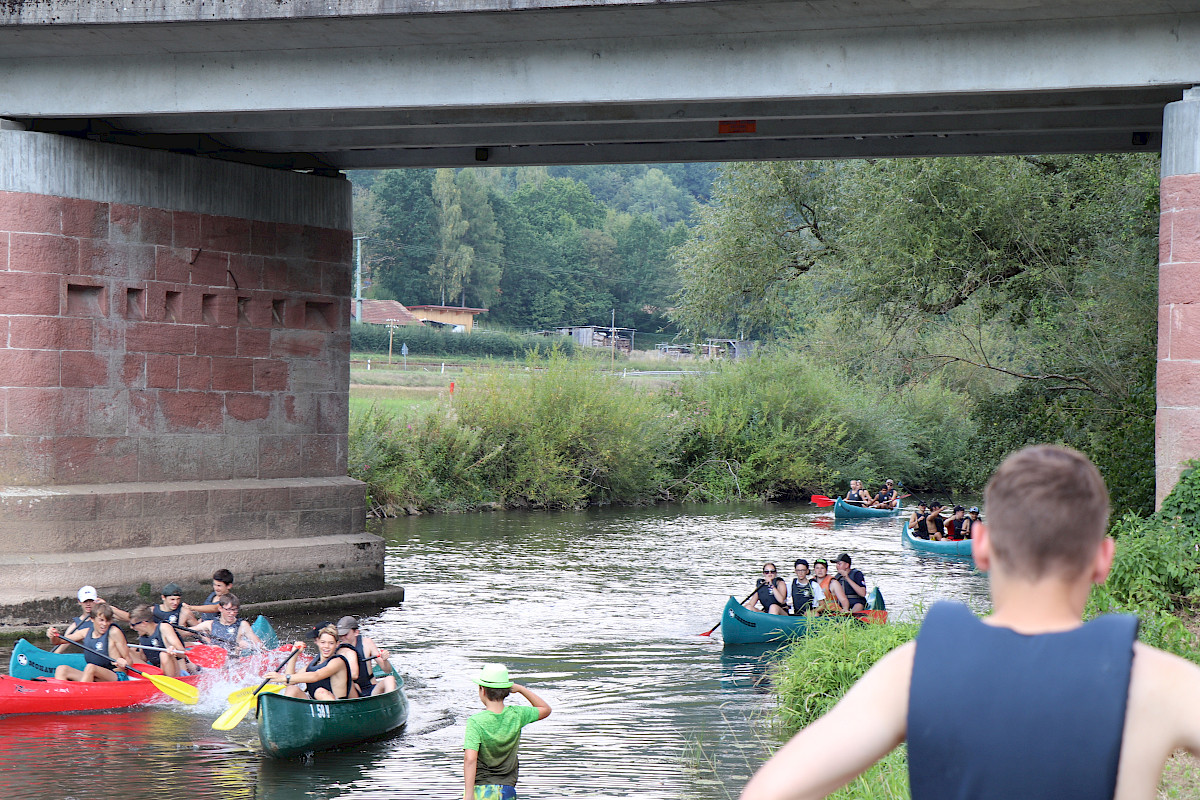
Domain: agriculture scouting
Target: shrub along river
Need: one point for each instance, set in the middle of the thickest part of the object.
(597, 611)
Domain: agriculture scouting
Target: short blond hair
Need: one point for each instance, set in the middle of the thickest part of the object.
(1047, 511)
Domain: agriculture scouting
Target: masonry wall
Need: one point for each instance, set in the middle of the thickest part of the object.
(173, 374)
(1177, 426)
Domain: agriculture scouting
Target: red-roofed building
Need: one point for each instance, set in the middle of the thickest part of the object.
(383, 312)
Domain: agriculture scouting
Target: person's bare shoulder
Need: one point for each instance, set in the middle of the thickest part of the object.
(1162, 715)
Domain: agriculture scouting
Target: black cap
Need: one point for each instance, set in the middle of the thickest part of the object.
(316, 631)
(845, 557)
(958, 509)
(936, 504)
(171, 589)
(800, 561)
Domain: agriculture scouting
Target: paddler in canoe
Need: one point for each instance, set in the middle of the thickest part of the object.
(222, 584)
(835, 596)
(158, 635)
(328, 678)
(171, 609)
(887, 497)
(102, 641)
(770, 592)
(364, 650)
(228, 630)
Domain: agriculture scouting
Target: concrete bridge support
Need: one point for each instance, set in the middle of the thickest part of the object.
(174, 366)
(1178, 421)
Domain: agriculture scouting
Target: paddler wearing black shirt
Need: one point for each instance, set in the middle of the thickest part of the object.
(228, 631)
(771, 593)
(152, 633)
(364, 649)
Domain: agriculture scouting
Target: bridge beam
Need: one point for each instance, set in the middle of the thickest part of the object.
(174, 366)
(1178, 418)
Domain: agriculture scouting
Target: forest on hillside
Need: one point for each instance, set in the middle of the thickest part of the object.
(536, 246)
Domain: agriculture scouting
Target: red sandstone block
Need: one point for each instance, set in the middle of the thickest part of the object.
(1185, 236)
(186, 503)
(279, 457)
(31, 293)
(269, 499)
(34, 412)
(1185, 335)
(253, 343)
(109, 335)
(286, 343)
(84, 459)
(320, 456)
(233, 374)
(75, 413)
(230, 456)
(160, 337)
(262, 238)
(125, 260)
(304, 276)
(32, 252)
(219, 311)
(1165, 226)
(210, 268)
(1164, 332)
(125, 223)
(269, 376)
(143, 412)
(30, 213)
(275, 274)
(246, 407)
(333, 413)
(133, 370)
(217, 342)
(337, 280)
(1177, 435)
(84, 369)
(107, 410)
(173, 265)
(195, 372)
(29, 368)
(162, 371)
(254, 310)
(191, 411)
(326, 244)
(289, 241)
(4, 241)
(50, 333)
(26, 460)
(247, 271)
(1179, 283)
(226, 234)
(1180, 192)
(86, 219)
(186, 229)
(1179, 384)
(157, 226)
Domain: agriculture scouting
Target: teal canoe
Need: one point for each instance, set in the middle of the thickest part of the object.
(740, 625)
(293, 726)
(263, 630)
(844, 510)
(28, 661)
(942, 548)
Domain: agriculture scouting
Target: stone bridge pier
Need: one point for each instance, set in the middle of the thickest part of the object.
(174, 367)
(1178, 419)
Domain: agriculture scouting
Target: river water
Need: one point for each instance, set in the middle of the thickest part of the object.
(597, 611)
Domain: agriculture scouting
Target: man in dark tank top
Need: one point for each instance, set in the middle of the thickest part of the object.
(1029, 702)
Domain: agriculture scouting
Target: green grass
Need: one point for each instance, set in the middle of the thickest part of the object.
(396, 400)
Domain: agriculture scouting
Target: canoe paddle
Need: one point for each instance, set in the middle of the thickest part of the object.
(205, 655)
(714, 627)
(236, 713)
(173, 687)
(823, 501)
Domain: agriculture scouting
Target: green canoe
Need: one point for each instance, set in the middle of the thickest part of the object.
(291, 726)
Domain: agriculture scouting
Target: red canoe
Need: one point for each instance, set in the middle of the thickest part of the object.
(49, 696)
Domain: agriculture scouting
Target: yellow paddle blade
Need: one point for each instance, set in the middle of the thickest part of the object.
(234, 714)
(239, 695)
(173, 687)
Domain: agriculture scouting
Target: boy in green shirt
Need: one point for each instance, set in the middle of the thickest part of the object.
(493, 736)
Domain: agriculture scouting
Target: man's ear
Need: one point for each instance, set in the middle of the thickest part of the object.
(1102, 563)
(981, 547)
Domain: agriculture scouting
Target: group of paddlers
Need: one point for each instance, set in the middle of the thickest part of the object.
(846, 590)
(342, 669)
(887, 497)
(926, 522)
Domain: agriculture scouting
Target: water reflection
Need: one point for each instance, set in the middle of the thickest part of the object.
(598, 611)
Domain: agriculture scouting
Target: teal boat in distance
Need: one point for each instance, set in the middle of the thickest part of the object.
(293, 726)
(844, 510)
(945, 547)
(740, 625)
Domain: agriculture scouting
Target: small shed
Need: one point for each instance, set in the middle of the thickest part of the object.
(597, 336)
(727, 348)
(448, 315)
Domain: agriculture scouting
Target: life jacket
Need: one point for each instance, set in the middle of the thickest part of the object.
(327, 683)
(155, 639)
(802, 595)
(226, 635)
(94, 645)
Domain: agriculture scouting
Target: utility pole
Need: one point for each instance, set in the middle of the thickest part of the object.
(391, 323)
(612, 338)
(358, 240)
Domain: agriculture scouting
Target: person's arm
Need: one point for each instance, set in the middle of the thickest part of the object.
(123, 616)
(839, 594)
(118, 648)
(470, 759)
(543, 708)
(172, 641)
(187, 616)
(245, 632)
(75, 635)
(204, 627)
(381, 655)
(819, 759)
(779, 589)
(326, 671)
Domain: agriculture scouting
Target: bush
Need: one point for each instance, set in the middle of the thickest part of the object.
(424, 340)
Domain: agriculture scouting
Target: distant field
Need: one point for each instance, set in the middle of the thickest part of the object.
(396, 399)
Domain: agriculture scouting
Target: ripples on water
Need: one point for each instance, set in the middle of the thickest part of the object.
(597, 611)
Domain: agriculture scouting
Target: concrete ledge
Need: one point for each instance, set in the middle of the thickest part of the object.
(62, 166)
(264, 570)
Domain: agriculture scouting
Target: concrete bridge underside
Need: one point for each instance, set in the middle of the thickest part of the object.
(173, 327)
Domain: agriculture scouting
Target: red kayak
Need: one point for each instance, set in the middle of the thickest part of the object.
(50, 696)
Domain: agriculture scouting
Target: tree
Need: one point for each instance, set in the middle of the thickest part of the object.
(452, 264)
(407, 235)
(485, 239)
